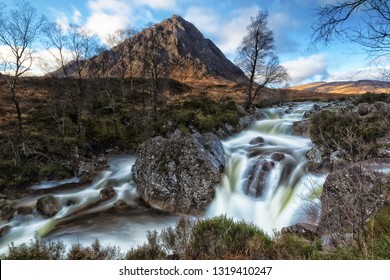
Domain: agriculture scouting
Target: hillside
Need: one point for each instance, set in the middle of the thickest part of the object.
(178, 49)
(348, 87)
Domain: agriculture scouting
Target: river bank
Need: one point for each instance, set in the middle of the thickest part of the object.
(122, 217)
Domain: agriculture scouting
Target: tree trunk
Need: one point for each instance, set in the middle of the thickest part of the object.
(18, 111)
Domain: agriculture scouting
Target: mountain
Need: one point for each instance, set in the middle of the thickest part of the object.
(349, 87)
(184, 54)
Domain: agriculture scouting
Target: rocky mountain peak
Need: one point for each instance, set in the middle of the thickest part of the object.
(184, 54)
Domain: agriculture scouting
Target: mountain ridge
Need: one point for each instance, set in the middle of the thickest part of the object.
(345, 87)
(188, 56)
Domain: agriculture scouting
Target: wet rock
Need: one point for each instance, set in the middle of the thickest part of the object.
(24, 211)
(301, 128)
(7, 211)
(256, 175)
(89, 168)
(350, 108)
(313, 110)
(308, 231)
(4, 230)
(245, 122)
(257, 141)
(107, 193)
(363, 109)
(318, 161)
(120, 204)
(179, 174)
(70, 202)
(277, 156)
(48, 206)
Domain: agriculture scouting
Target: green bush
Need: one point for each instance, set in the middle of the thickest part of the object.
(293, 247)
(221, 237)
(152, 250)
(355, 135)
(371, 97)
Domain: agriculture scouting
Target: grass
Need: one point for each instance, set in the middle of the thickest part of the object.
(217, 238)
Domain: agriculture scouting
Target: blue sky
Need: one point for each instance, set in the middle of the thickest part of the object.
(224, 22)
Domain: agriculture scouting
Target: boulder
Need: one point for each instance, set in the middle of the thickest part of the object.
(257, 141)
(277, 156)
(256, 175)
(351, 196)
(381, 106)
(6, 211)
(301, 128)
(308, 231)
(107, 193)
(48, 206)
(24, 211)
(317, 160)
(363, 109)
(179, 174)
(120, 204)
(4, 230)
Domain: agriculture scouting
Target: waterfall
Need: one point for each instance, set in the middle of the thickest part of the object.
(264, 182)
(287, 187)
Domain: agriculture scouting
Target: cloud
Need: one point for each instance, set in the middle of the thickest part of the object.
(107, 16)
(76, 17)
(158, 4)
(228, 31)
(307, 69)
(355, 75)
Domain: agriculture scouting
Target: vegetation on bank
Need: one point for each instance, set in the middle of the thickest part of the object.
(218, 238)
(53, 145)
(354, 135)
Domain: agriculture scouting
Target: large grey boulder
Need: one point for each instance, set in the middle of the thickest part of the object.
(48, 206)
(179, 174)
(351, 196)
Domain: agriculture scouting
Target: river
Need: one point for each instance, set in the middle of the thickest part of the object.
(286, 189)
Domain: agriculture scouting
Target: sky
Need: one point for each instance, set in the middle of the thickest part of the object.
(224, 22)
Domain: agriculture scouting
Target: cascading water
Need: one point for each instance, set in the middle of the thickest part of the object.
(264, 182)
(287, 188)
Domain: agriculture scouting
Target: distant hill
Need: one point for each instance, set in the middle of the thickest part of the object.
(188, 56)
(349, 87)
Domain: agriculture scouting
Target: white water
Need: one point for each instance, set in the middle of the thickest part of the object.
(89, 218)
(288, 186)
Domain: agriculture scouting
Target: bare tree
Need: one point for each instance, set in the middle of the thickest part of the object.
(82, 44)
(56, 41)
(155, 61)
(257, 58)
(123, 54)
(19, 29)
(336, 21)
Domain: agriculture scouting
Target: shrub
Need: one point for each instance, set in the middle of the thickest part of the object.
(355, 136)
(292, 247)
(93, 252)
(371, 97)
(152, 250)
(221, 237)
(38, 250)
